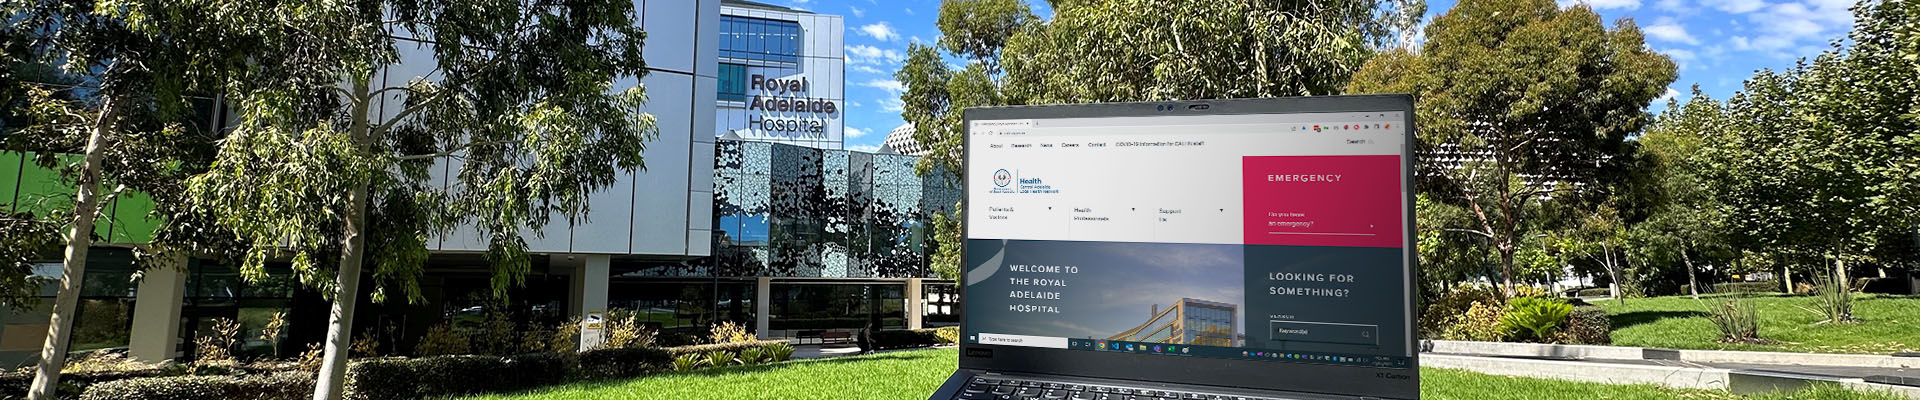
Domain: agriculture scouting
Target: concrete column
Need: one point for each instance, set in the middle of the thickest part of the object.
(762, 306)
(916, 304)
(156, 312)
(589, 295)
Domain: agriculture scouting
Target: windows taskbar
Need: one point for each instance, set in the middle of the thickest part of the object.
(1185, 350)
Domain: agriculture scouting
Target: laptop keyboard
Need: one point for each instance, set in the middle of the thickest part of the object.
(983, 388)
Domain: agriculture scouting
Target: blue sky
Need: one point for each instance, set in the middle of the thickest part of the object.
(1717, 43)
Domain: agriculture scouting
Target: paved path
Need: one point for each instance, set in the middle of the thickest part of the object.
(837, 350)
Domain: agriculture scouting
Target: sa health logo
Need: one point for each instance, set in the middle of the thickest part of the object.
(1002, 178)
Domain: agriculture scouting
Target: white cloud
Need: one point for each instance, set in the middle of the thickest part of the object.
(1677, 6)
(889, 85)
(1683, 57)
(857, 12)
(853, 104)
(852, 132)
(916, 39)
(1796, 27)
(1737, 6)
(1603, 4)
(1672, 32)
(868, 69)
(864, 148)
(891, 105)
(880, 30)
(864, 54)
(1670, 95)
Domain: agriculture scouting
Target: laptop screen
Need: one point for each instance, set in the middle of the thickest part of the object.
(1273, 237)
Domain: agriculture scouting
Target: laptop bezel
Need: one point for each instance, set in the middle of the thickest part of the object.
(1279, 376)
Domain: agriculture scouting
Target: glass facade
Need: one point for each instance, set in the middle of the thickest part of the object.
(792, 211)
(733, 82)
(758, 39)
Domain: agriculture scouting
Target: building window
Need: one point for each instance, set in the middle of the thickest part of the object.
(757, 39)
(733, 82)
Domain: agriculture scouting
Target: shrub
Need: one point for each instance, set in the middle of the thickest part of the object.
(734, 347)
(1738, 320)
(905, 339)
(1834, 303)
(542, 369)
(1594, 292)
(1529, 291)
(442, 340)
(1587, 325)
(270, 332)
(279, 386)
(752, 356)
(497, 336)
(460, 375)
(1441, 313)
(718, 358)
(779, 351)
(687, 362)
(1481, 322)
(310, 360)
(566, 337)
(216, 348)
(1535, 317)
(623, 363)
(381, 378)
(948, 335)
(623, 331)
(729, 332)
(14, 384)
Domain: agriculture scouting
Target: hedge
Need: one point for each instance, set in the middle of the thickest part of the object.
(624, 363)
(13, 385)
(1588, 325)
(734, 347)
(906, 339)
(278, 386)
(440, 376)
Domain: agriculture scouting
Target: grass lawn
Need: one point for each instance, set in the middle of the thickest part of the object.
(915, 374)
(1888, 325)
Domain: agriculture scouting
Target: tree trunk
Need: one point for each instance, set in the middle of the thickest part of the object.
(1693, 281)
(1840, 274)
(331, 384)
(1506, 271)
(1786, 275)
(53, 354)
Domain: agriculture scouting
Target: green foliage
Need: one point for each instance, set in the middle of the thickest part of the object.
(623, 362)
(1815, 163)
(752, 356)
(718, 358)
(1545, 95)
(624, 331)
(24, 238)
(1737, 318)
(1481, 322)
(278, 386)
(444, 376)
(1834, 301)
(1445, 311)
(688, 362)
(779, 351)
(1587, 325)
(442, 340)
(1535, 318)
(1742, 287)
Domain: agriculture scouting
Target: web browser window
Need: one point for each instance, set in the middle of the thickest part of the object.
(1269, 237)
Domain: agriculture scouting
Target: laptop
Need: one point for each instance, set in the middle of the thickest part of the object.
(1218, 249)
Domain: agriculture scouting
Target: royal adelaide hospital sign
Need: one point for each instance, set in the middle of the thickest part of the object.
(781, 108)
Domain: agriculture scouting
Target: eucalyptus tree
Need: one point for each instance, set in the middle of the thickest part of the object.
(530, 104)
(1533, 101)
(119, 88)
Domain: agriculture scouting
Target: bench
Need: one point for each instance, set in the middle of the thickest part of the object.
(837, 337)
